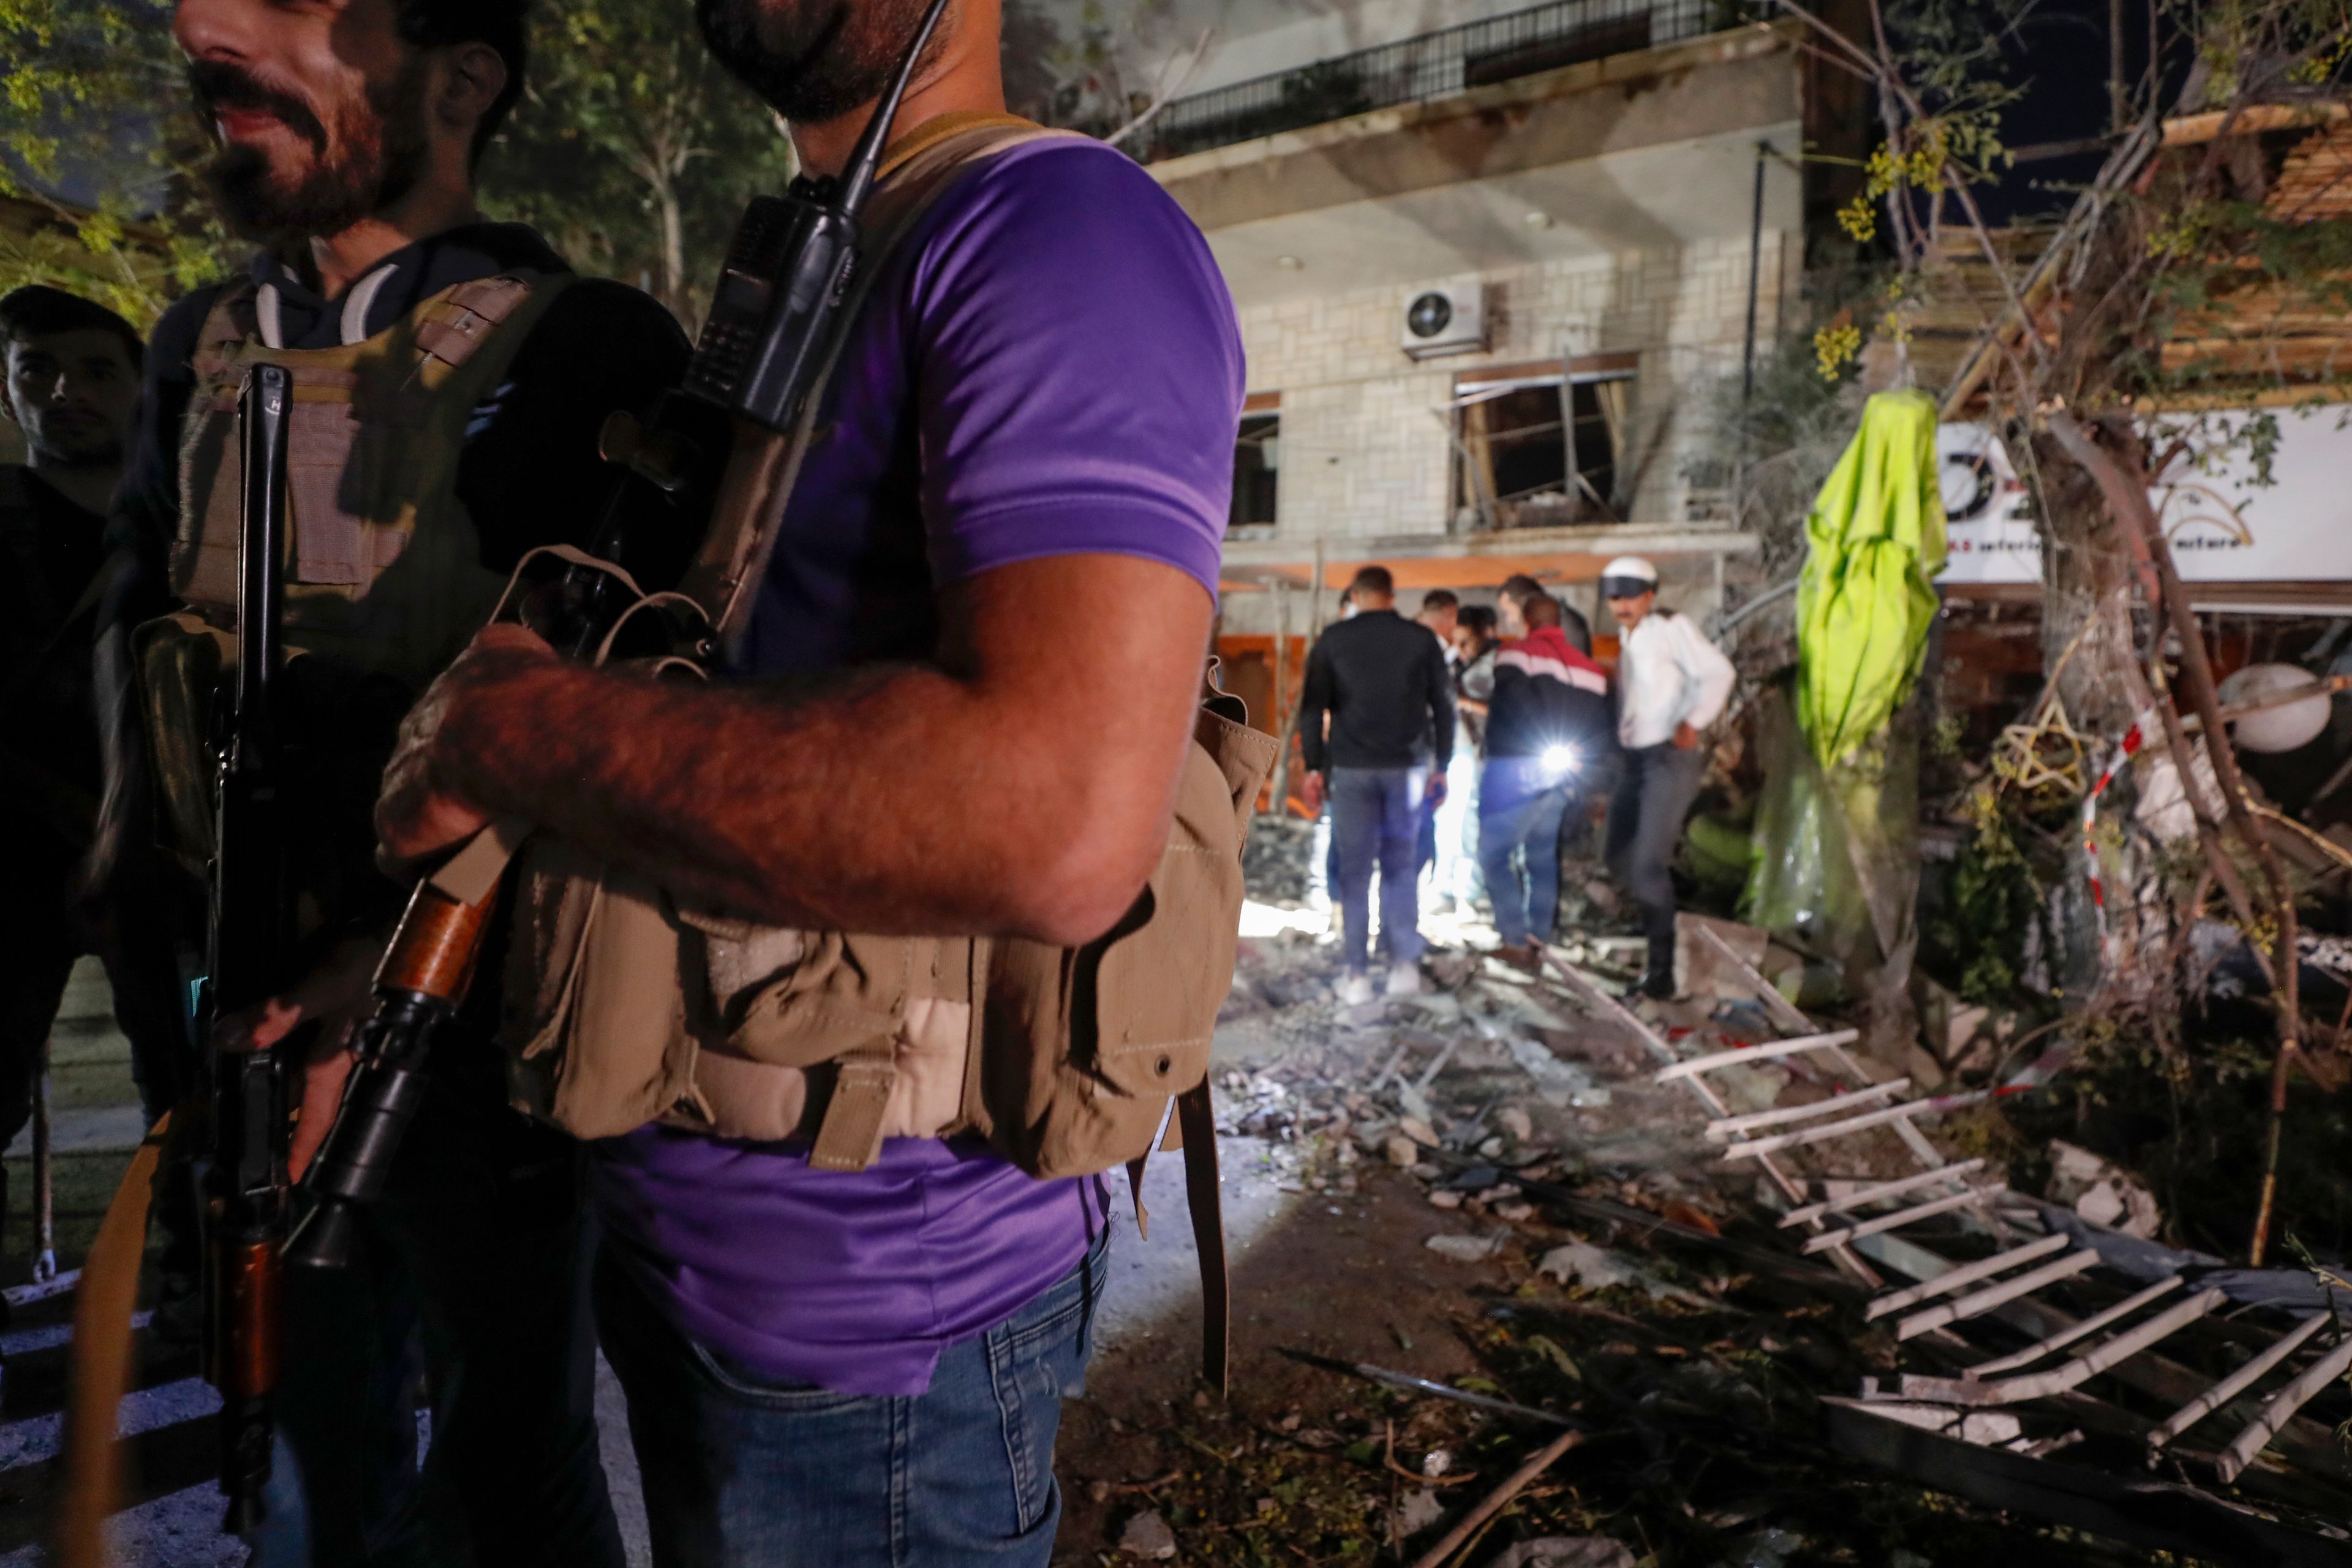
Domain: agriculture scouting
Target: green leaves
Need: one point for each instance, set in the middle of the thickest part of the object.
(633, 150)
(98, 155)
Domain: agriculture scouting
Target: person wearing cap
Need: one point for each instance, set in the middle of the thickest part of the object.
(1672, 684)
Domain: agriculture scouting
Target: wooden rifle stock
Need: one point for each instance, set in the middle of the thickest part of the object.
(433, 951)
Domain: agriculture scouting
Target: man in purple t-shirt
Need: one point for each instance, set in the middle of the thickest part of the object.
(1032, 424)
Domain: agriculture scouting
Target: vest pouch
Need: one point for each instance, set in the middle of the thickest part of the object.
(1083, 1047)
(331, 461)
(845, 1039)
(593, 1028)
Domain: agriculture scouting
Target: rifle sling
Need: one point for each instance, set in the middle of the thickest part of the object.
(101, 1360)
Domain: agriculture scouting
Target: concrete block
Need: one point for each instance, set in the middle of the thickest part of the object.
(1699, 968)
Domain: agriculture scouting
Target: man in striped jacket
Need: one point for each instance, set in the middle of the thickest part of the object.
(1546, 730)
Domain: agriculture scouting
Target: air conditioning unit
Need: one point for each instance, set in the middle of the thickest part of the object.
(1449, 319)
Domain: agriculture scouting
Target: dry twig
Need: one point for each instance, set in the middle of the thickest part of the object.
(1494, 1501)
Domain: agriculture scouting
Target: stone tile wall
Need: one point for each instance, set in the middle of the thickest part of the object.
(1365, 443)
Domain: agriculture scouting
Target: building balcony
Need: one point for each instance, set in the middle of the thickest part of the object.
(1433, 65)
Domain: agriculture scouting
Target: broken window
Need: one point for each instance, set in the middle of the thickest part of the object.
(1543, 449)
(1257, 460)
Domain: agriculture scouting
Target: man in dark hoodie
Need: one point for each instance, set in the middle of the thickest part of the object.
(451, 378)
(1545, 727)
(1384, 682)
(71, 387)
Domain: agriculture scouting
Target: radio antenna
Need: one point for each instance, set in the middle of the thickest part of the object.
(867, 157)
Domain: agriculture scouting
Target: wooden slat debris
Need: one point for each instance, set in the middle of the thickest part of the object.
(1967, 1391)
(1780, 1116)
(1899, 1218)
(1965, 1275)
(2237, 1383)
(1765, 1050)
(2280, 1407)
(2087, 1327)
(1977, 1303)
(1882, 1191)
(1754, 1147)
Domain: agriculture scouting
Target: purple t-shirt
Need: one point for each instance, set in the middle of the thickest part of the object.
(1050, 366)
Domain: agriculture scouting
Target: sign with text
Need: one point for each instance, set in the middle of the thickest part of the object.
(2224, 524)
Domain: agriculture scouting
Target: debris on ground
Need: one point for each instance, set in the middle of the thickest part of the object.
(1497, 1197)
(1147, 1536)
(2101, 1193)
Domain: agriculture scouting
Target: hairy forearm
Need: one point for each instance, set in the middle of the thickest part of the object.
(1021, 785)
(883, 802)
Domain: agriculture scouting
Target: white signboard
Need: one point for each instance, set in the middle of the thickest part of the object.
(2223, 526)
(1988, 531)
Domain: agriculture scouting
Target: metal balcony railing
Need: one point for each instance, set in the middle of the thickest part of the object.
(1434, 64)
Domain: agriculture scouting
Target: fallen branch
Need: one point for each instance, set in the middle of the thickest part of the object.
(1495, 1501)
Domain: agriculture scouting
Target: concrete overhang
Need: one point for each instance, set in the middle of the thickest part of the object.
(1600, 156)
(1473, 560)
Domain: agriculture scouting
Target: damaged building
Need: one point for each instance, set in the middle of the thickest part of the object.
(1493, 266)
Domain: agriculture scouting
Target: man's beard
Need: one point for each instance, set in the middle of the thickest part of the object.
(374, 157)
(814, 61)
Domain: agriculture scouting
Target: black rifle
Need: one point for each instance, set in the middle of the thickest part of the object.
(772, 323)
(251, 946)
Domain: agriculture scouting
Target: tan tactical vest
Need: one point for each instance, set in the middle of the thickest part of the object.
(384, 572)
(625, 1006)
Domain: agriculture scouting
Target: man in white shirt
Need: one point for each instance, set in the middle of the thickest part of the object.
(1672, 683)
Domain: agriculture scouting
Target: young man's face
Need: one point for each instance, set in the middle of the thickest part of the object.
(319, 107)
(1440, 619)
(1629, 612)
(814, 61)
(1508, 620)
(1468, 644)
(73, 394)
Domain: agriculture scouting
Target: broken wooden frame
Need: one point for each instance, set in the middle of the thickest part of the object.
(2119, 1339)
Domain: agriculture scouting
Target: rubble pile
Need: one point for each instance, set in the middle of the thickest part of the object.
(1602, 1261)
(1601, 1270)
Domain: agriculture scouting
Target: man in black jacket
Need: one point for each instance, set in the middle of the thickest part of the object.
(1382, 682)
(71, 386)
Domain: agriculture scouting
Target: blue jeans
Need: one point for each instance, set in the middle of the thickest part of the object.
(1376, 820)
(1520, 804)
(743, 1472)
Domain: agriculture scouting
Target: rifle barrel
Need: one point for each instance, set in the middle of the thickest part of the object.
(250, 946)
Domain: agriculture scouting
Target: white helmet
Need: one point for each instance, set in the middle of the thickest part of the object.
(1628, 577)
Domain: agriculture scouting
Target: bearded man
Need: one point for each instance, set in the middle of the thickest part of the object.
(451, 377)
(847, 1341)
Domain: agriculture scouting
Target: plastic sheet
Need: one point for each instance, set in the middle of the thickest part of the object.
(1836, 868)
(1801, 885)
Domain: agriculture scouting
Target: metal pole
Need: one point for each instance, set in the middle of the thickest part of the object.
(1315, 604)
(1279, 804)
(45, 1229)
(1755, 262)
